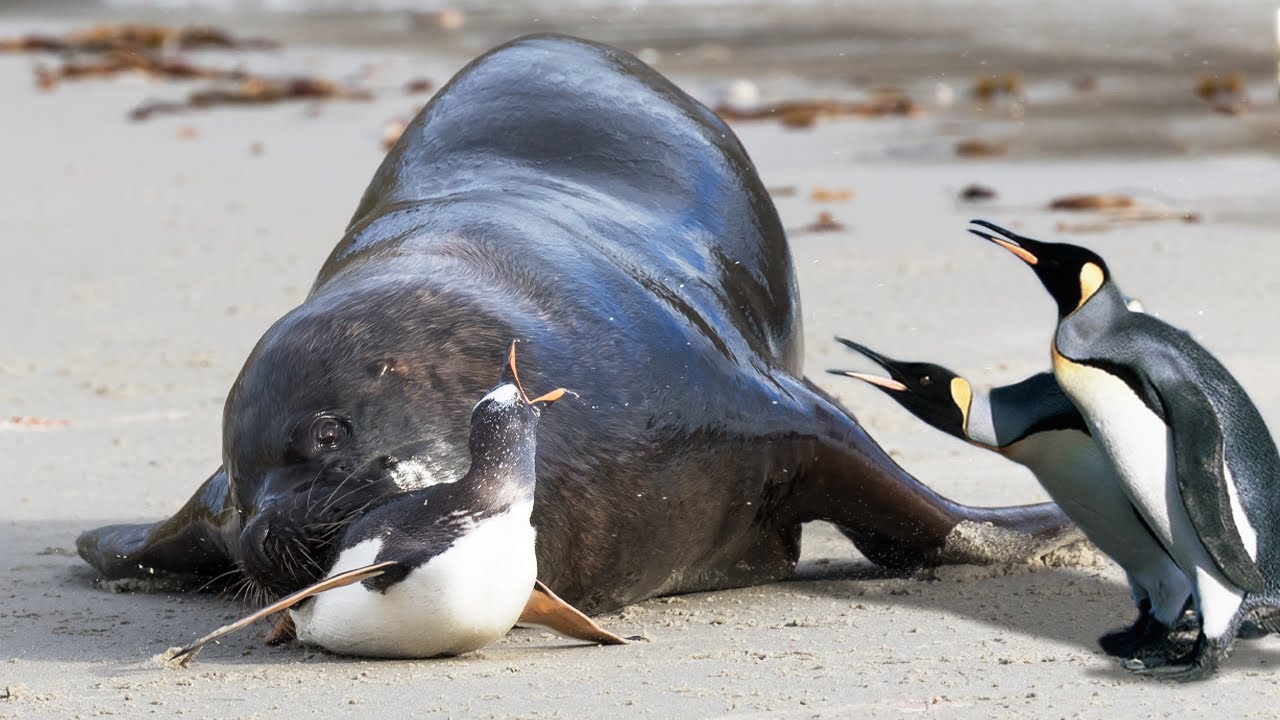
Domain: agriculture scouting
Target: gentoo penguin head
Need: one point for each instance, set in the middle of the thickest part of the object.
(1070, 273)
(930, 392)
(504, 422)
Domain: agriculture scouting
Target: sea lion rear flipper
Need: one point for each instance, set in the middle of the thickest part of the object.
(545, 608)
(188, 546)
(1199, 457)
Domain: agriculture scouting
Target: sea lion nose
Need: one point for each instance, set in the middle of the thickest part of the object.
(276, 484)
(253, 540)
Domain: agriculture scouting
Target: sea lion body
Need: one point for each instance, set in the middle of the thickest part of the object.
(561, 193)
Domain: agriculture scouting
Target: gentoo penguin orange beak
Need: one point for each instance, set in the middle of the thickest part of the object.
(510, 374)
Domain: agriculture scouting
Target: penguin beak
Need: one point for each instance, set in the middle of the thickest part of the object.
(550, 397)
(1011, 241)
(883, 382)
(510, 374)
(884, 362)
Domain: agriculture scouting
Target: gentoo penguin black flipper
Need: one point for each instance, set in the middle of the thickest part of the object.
(1194, 454)
(546, 609)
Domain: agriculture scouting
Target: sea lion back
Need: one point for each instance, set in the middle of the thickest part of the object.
(582, 130)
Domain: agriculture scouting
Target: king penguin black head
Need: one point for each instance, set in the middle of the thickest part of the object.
(930, 392)
(1070, 273)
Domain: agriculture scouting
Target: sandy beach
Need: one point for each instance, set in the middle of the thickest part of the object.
(142, 261)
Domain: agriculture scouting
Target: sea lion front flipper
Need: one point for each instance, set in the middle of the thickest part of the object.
(1199, 457)
(188, 546)
(545, 608)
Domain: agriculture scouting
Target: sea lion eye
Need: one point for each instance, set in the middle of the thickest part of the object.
(328, 432)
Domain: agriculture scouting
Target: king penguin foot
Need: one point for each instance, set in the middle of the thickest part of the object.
(1123, 642)
(1199, 663)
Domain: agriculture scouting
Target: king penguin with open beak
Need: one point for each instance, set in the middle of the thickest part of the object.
(1034, 424)
(1190, 448)
(454, 562)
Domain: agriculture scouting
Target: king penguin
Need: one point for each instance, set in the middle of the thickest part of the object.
(456, 563)
(1191, 450)
(1034, 424)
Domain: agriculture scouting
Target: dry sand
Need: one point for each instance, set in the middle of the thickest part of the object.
(142, 261)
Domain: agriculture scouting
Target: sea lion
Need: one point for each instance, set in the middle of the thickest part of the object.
(562, 193)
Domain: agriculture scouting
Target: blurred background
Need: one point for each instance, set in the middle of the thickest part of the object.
(207, 153)
(1126, 76)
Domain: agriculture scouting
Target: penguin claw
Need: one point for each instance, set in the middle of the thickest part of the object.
(1250, 630)
(1176, 672)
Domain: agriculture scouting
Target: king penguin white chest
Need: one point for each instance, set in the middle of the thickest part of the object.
(1075, 473)
(466, 597)
(1135, 439)
(1140, 446)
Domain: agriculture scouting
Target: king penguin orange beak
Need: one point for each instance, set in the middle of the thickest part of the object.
(1023, 254)
(884, 382)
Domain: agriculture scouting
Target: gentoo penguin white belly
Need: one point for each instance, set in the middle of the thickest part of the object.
(461, 600)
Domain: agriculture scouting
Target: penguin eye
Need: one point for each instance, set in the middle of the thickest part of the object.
(926, 381)
(328, 432)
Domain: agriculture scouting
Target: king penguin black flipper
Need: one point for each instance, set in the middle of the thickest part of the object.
(1192, 450)
(1034, 424)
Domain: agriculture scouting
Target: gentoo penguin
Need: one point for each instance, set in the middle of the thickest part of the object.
(1190, 448)
(445, 569)
(1034, 424)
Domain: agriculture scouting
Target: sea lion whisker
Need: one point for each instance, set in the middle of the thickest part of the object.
(290, 562)
(331, 500)
(185, 654)
(233, 592)
(211, 581)
(372, 501)
(311, 487)
(305, 553)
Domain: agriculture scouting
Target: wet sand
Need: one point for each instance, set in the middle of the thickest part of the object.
(142, 261)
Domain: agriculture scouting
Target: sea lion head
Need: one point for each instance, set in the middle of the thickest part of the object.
(349, 399)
